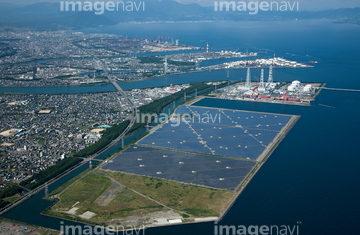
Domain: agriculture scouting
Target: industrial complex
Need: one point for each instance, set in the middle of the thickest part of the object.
(294, 92)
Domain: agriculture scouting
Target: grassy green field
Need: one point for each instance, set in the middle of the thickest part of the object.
(84, 193)
(62, 187)
(12, 198)
(117, 191)
(194, 200)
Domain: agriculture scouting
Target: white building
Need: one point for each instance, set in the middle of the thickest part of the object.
(308, 88)
(295, 85)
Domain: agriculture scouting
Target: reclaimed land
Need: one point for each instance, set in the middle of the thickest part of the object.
(14, 227)
(261, 160)
(122, 198)
(115, 195)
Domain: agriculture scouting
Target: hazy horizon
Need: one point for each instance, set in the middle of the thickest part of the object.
(306, 5)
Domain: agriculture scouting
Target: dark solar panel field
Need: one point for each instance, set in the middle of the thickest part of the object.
(223, 145)
(191, 168)
(231, 133)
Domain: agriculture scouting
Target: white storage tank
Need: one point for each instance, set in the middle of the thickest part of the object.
(291, 88)
(308, 88)
(296, 83)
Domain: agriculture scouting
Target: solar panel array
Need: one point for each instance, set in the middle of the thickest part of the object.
(183, 167)
(231, 133)
(206, 146)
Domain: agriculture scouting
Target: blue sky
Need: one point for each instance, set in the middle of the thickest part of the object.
(312, 5)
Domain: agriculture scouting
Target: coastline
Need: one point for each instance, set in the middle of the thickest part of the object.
(264, 156)
(261, 159)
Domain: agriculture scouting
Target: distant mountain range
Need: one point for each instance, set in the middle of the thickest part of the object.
(47, 15)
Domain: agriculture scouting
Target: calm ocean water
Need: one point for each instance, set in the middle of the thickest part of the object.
(313, 177)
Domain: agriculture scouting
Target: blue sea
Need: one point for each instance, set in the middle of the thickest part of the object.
(312, 180)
